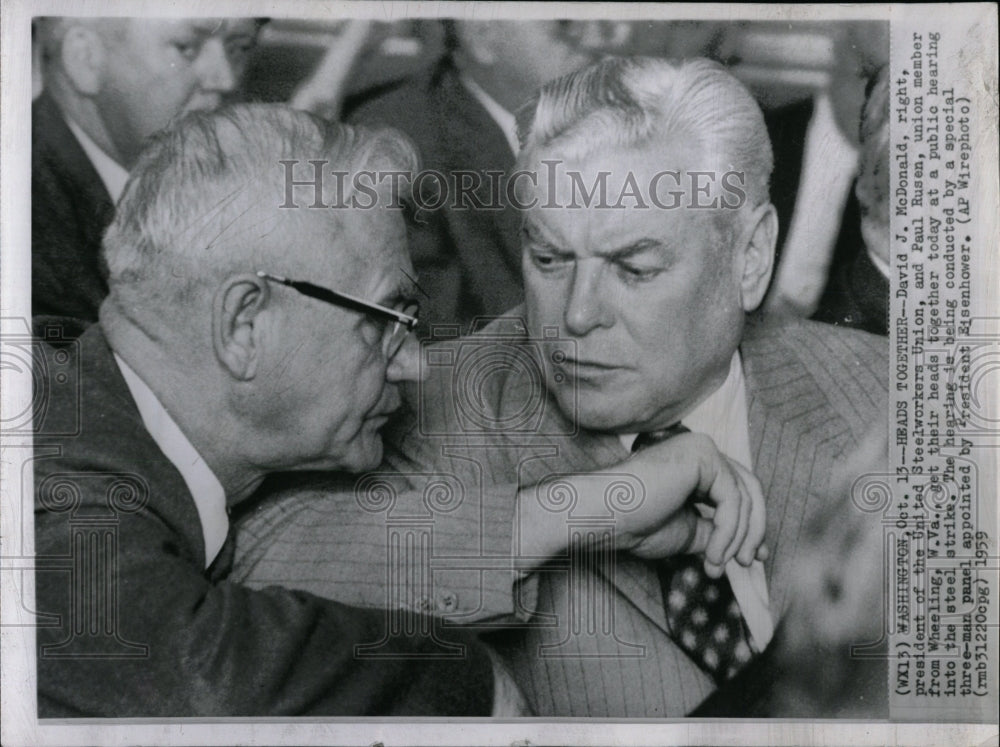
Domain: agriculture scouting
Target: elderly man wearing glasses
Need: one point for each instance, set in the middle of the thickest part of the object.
(215, 363)
(201, 377)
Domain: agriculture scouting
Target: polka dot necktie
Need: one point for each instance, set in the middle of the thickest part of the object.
(703, 616)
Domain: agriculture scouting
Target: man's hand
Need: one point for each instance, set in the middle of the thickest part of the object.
(690, 466)
(665, 522)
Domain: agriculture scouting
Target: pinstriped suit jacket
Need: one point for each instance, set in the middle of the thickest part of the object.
(597, 644)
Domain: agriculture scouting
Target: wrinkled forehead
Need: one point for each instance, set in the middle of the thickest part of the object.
(661, 187)
(348, 245)
(641, 161)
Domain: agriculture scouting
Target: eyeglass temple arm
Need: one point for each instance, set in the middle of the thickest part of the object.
(338, 299)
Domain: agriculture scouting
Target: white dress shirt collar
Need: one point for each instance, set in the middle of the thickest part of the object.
(206, 490)
(506, 121)
(111, 172)
(880, 264)
(724, 417)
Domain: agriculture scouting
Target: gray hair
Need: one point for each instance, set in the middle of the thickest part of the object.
(639, 101)
(201, 194)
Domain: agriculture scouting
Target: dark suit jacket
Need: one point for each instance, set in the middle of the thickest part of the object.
(856, 295)
(812, 391)
(468, 260)
(135, 626)
(787, 126)
(70, 209)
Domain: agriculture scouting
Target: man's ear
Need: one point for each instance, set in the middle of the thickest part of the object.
(758, 256)
(236, 328)
(82, 56)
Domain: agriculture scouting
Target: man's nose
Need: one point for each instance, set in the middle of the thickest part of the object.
(585, 308)
(216, 72)
(405, 364)
(601, 36)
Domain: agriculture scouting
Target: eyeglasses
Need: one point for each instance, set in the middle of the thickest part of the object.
(403, 321)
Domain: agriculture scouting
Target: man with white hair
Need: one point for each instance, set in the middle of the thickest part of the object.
(203, 374)
(648, 242)
(658, 304)
(214, 363)
(108, 84)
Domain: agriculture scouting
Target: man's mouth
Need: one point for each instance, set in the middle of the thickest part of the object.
(388, 405)
(588, 369)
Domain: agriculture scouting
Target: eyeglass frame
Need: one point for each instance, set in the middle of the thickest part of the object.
(347, 301)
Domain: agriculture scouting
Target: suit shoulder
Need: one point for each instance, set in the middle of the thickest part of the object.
(865, 347)
(404, 105)
(847, 369)
(823, 341)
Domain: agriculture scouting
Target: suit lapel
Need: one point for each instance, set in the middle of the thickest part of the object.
(114, 419)
(795, 434)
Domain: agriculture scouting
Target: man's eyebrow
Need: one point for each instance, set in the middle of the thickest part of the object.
(533, 234)
(617, 254)
(630, 250)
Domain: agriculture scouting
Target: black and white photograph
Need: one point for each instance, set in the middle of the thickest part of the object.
(499, 373)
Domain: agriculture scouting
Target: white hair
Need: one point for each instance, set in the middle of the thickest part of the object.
(200, 195)
(645, 101)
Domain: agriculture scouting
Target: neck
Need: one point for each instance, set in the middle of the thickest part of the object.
(675, 415)
(86, 115)
(192, 397)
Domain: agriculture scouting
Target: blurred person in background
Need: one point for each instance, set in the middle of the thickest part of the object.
(816, 164)
(107, 85)
(460, 114)
(857, 294)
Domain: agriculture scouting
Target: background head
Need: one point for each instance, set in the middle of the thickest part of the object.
(305, 383)
(860, 49)
(653, 283)
(872, 187)
(122, 79)
(512, 59)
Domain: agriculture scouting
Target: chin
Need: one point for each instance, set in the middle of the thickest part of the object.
(596, 413)
(602, 420)
(366, 457)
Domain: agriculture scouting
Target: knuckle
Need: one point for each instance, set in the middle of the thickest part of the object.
(703, 442)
